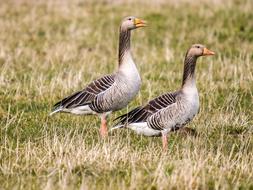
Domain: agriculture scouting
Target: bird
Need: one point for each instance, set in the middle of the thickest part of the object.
(111, 92)
(170, 111)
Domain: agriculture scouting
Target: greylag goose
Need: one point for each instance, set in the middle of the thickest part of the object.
(111, 92)
(169, 111)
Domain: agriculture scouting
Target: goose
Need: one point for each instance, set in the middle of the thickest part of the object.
(111, 92)
(170, 111)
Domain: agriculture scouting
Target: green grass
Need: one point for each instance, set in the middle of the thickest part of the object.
(50, 49)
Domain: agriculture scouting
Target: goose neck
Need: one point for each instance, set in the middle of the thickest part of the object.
(124, 45)
(189, 71)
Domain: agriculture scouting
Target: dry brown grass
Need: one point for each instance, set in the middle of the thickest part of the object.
(49, 49)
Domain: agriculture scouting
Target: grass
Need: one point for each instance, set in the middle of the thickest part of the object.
(49, 49)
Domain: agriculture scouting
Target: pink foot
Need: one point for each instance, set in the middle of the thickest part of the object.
(103, 128)
(165, 142)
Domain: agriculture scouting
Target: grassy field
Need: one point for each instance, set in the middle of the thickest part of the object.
(50, 49)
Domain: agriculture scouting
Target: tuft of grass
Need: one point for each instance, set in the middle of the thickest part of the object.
(50, 49)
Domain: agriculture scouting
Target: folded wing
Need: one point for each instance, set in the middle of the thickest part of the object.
(141, 114)
(86, 96)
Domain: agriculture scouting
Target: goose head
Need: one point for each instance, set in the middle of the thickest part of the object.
(199, 50)
(131, 22)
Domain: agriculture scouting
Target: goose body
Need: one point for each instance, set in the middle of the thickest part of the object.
(111, 92)
(172, 116)
(160, 115)
(169, 111)
(106, 94)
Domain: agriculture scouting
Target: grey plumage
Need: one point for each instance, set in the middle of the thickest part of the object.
(111, 92)
(87, 96)
(141, 114)
(170, 111)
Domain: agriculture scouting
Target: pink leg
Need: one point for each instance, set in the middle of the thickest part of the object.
(165, 142)
(103, 128)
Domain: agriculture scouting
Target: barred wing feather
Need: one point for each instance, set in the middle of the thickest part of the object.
(87, 95)
(141, 114)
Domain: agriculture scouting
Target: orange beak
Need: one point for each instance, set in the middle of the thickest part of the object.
(208, 52)
(139, 23)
